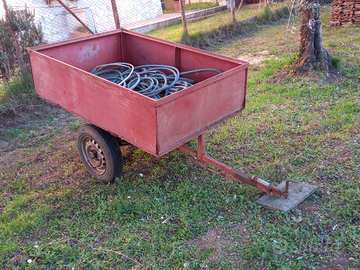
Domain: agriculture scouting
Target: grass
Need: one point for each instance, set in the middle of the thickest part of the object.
(167, 213)
(18, 85)
(200, 6)
(195, 6)
(207, 26)
(17, 92)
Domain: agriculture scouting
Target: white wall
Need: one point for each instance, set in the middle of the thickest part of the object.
(131, 11)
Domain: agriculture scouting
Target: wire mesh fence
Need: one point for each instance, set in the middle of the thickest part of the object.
(59, 20)
(196, 17)
(64, 19)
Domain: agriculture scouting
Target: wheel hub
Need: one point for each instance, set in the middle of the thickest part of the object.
(94, 155)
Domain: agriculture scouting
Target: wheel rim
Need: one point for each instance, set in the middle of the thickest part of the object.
(93, 155)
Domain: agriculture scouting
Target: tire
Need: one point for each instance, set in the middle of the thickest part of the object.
(100, 153)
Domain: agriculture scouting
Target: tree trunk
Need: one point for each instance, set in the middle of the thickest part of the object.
(312, 54)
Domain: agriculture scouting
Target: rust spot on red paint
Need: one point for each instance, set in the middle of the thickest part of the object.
(88, 52)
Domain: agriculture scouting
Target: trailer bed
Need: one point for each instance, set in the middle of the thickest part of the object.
(61, 73)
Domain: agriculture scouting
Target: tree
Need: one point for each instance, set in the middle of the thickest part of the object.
(26, 32)
(312, 54)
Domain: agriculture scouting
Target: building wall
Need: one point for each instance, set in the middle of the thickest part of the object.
(131, 11)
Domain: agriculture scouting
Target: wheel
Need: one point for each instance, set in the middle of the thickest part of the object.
(100, 153)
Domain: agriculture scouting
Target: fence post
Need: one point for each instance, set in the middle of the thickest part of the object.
(76, 17)
(237, 12)
(116, 14)
(232, 9)
(183, 17)
(15, 40)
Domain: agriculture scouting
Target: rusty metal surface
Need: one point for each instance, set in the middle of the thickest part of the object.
(61, 75)
(198, 156)
(94, 155)
(116, 14)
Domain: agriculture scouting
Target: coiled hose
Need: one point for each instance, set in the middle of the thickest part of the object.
(154, 81)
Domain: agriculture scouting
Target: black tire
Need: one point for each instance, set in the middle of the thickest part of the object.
(100, 153)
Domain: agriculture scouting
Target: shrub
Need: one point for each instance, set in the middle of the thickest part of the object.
(266, 14)
(336, 62)
(28, 34)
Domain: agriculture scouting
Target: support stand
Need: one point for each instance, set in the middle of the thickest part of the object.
(277, 196)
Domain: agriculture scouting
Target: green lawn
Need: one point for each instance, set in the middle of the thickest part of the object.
(195, 6)
(200, 6)
(167, 213)
(175, 32)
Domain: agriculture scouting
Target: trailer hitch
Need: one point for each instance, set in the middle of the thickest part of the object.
(198, 156)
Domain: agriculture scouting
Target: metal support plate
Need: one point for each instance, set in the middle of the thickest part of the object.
(298, 192)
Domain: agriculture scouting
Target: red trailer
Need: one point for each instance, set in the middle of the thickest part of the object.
(61, 74)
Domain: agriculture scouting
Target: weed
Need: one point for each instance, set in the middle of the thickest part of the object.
(336, 62)
(18, 86)
(76, 124)
(266, 14)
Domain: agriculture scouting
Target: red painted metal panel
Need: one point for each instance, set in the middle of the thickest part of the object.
(192, 114)
(140, 51)
(192, 60)
(85, 53)
(60, 73)
(116, 109)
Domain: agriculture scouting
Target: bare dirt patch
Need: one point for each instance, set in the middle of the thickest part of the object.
(37, 114)
(31, 126)
(340, 263)
(17, 113)
(309, 207)
(217, 239)
(258, 58)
